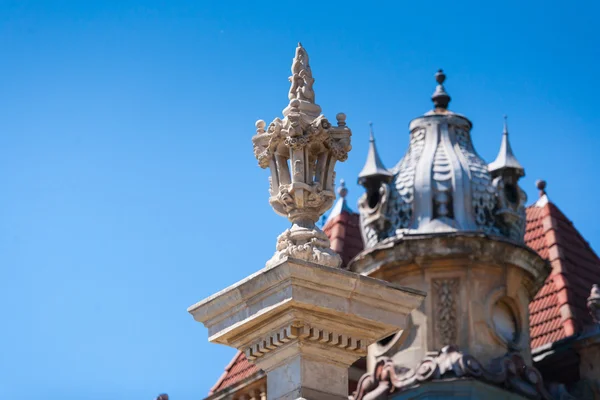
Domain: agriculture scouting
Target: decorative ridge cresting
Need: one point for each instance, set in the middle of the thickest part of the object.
(509, 372)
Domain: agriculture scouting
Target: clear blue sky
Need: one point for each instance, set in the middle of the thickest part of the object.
(129, 186)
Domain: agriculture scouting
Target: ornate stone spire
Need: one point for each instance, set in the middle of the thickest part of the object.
(301, 82)
(593, 303)
(301, 151)
(440, 98)
(374, 168)
(506, 158)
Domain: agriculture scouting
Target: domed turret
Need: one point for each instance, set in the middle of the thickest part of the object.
(442, 185)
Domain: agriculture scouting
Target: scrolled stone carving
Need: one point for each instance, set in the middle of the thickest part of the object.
(301, 151)
(593, 303)
(509, 372)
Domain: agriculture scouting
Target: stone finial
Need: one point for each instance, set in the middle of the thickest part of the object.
(341, 205)
(440, 98)
(342, 191)
(593, 303)
(541, 186)
(543, 197)
(301, 79)
(301, 151)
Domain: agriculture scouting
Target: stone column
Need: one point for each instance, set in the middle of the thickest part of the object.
(304, 324)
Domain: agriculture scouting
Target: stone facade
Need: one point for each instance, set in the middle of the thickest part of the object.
(479, 290)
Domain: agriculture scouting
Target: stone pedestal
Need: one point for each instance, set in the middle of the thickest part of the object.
(305, 324)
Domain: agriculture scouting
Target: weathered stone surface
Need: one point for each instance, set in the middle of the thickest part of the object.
(297, 312)
(301, 151)
(479, 290)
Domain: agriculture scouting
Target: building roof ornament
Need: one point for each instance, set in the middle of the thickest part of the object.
(341, 205)
(440, 98)
(593, 303)
(510, 372)
(506, 158)
(301, 151)
(441, 184)
(373, 168)
(543, 197)
(301, 79)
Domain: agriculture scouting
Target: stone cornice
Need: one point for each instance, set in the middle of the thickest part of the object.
(474, 246)
(299, 310)
(272, 288)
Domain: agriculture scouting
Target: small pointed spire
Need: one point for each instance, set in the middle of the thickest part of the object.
(440, 98)
(374, 168)
(506, 158)
(340, 205)
(301, 79)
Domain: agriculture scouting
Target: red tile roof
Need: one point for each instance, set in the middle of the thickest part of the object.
(559, 309)
(343, 231)
(238, 369)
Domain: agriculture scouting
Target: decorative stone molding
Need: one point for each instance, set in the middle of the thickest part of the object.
(301, 151)
(475, 246)
(593, 303)
(306, 332)
(445, 294)
(509, 372)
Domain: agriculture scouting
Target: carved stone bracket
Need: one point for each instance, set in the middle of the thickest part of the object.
(509, 372)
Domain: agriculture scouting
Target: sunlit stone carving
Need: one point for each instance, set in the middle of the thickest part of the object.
(301, 151)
